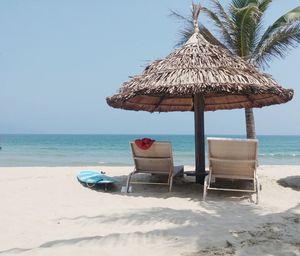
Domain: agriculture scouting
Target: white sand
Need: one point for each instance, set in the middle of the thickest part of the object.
(46, 211)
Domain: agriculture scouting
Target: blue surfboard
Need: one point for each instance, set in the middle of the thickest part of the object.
(92, 178)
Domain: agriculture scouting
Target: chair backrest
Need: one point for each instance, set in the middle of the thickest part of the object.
(235, 157)
(157, 159)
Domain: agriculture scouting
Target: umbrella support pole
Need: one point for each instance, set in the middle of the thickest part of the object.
(199, 138)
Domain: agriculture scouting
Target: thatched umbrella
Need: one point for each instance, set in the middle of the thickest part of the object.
(199, 76)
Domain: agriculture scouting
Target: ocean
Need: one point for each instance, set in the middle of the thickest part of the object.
(113, 150)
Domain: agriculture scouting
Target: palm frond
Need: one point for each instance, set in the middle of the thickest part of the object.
(278, 44)
(210, 37)
(222, 27)
(284, 22)
(286, 19)
(238, 4)
(180, 17)
(264, 4)
(224, 16)
(187, 31)
(247, 21)
(184, 35)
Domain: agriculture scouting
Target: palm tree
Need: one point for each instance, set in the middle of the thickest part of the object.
(240, 29)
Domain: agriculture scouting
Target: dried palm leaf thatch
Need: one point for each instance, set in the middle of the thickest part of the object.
(224, 80)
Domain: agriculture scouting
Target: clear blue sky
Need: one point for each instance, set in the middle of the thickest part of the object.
(59, 59)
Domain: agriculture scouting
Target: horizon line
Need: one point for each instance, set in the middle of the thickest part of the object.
(159, 134)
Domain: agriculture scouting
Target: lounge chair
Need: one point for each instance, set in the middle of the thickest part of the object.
(158, 159)
(232, 159)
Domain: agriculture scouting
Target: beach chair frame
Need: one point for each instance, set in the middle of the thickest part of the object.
(233, 159)
(158, 159)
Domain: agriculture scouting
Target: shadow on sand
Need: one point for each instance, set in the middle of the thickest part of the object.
(242, 228)
(183, 187)
(274, 234)
(291, 182)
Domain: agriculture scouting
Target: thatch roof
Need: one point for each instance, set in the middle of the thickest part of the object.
(226, 81)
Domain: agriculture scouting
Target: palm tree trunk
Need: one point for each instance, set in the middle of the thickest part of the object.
(250, 125)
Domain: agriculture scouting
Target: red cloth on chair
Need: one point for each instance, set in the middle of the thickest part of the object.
(144, 143)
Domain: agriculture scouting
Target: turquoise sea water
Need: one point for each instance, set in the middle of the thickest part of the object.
(83, 150)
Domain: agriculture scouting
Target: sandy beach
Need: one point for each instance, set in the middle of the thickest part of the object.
(105, 85)
(46, 211)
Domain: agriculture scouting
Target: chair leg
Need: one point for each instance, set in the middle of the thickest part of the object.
(128, 181)
(205, 187)
(171, 183)
(257, 190)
